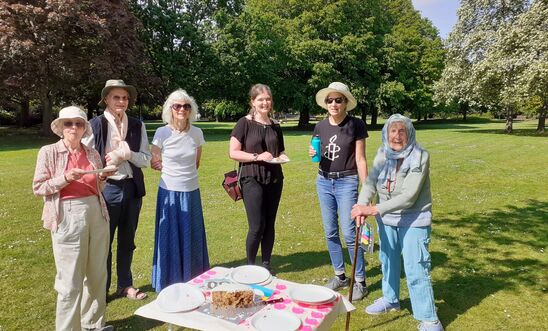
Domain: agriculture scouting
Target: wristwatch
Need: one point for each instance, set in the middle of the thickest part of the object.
(255, 157)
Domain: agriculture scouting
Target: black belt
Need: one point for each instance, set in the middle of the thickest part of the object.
(337, 174)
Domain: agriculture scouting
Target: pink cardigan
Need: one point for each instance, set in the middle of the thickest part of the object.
(49, 179)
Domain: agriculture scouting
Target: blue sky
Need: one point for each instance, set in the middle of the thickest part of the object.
(442, 13)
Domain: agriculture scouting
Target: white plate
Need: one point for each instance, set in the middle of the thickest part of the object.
(180, 297)
(311, 294)
(278, 160)
(97, 171)
(250, 274)
(275, 320)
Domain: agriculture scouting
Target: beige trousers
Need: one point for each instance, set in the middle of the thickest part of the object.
(80, 248)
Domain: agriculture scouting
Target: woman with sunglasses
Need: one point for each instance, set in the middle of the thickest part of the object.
(76, 214)
(342, 167)
(255, 141)
(401, 180)
(180, 247)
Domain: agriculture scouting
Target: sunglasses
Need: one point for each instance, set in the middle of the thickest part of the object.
(338, 100)
(70, 124)
(178, 106)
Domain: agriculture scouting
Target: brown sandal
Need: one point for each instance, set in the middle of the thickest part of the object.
(132, 293)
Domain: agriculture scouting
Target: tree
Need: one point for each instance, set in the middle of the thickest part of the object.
(298, 47)
(178, 35)
(524, 47)
(474, 74)
(50, 50)
(412, 60)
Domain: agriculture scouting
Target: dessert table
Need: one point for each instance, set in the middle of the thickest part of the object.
(313, 317)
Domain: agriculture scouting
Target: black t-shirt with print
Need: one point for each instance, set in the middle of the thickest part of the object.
(338, 143)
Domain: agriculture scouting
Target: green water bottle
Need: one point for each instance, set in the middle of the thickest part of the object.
(316, 145)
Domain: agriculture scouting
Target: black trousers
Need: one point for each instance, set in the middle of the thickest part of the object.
(261, 205)
(123, 208)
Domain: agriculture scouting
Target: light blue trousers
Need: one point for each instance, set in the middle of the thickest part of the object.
(412, 244)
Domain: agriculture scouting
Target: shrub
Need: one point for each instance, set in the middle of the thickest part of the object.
(7, 118)
(228, 111)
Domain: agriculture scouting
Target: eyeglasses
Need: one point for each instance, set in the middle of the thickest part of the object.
(70, 124)
(338, 100)
(178, 106)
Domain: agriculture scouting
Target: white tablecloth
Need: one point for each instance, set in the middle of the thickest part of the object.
(312, 317)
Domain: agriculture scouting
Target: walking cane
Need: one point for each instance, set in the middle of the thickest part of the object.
(356, 241)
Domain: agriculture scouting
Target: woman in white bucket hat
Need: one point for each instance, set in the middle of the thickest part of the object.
(75, 213)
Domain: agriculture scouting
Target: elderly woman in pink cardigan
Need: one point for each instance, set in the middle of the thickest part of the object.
(75, 213)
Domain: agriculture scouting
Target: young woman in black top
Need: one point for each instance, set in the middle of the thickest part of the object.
(255, 141)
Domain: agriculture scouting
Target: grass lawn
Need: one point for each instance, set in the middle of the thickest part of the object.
(488, 241)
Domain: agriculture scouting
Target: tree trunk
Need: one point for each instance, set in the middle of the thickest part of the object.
(509, 121)
(374, 115)
(542, 118)
(304, 118)
(24, 112)
(365, 110)
(463, 110)
(47, 116)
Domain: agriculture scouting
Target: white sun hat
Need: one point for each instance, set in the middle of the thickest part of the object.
(71, 112)
(337, 87)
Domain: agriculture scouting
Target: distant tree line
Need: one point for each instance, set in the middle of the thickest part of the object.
(54, 52)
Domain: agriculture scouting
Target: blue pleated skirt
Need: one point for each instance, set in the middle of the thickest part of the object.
(180, 247)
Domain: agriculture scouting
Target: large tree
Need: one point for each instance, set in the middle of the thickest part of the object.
(50, 50)
(522, 48)
(178, 35)
(412, 60)
(475, 73)
(298, 47)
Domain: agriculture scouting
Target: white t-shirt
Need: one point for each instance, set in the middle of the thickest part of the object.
(179, 157)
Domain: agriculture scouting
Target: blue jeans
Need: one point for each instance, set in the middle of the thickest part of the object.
(337, 196)
(412, 244)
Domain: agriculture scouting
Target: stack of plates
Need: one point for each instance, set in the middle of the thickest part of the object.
(312, 294)
(180, 297)
(251, 274)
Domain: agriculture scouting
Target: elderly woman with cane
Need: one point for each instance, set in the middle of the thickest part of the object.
(69, 178)
(400, 178)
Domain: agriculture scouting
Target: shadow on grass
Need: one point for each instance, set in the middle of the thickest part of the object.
(515, 132)
(489, 256)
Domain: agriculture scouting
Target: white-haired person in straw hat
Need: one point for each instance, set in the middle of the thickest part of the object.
(76, 214)
(342, 167)
(400, 181)
(180, 247)
(122, 142)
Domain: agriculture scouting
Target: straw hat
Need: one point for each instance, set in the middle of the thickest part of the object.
(71, 112)
(337, 87)
(118, 83)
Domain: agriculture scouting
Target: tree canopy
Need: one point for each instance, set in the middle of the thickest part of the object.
(54, 51)
(496, 57)
(393, 59)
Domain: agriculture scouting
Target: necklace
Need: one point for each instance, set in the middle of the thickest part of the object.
(185, 127)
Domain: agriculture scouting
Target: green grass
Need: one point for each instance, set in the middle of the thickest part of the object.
(488, 243)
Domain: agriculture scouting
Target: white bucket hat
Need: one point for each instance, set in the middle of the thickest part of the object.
(337, 87)
(118, 83)
(71, 112)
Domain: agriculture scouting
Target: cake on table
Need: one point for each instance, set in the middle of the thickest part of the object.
(232, 296)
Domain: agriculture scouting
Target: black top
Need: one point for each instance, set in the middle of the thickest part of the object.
(338, 143)
(257, 138)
